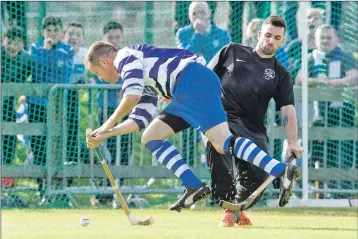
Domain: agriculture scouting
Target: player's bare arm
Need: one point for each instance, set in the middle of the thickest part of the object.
(125, 106)
(126, 127)
(289, 121)
(100, 61)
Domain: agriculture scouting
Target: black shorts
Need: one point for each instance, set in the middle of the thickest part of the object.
(249, 177)
(177, 123)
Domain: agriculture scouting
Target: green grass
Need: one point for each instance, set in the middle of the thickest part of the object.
(195, 224)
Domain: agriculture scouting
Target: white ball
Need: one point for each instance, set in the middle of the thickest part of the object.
(84, 221)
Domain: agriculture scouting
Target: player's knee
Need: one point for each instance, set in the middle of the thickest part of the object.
(224, 147)
(144, 141)
(219, 146)
(145, 138)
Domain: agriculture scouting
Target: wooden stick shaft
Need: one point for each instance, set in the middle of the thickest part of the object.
(115, 187)
(263, 186)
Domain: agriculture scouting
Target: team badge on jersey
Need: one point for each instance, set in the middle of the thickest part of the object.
(269, 74)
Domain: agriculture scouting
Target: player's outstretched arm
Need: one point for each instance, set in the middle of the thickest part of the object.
(126, 127)
(125, 106)
(139, 118)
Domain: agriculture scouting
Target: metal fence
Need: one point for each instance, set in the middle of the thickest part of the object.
(88, 176)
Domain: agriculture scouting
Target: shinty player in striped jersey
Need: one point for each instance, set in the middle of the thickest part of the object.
(195, 94)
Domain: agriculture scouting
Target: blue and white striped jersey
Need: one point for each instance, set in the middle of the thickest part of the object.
(148, 70)
(144, 111)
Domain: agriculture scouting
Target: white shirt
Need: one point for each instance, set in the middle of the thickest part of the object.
(79, 70)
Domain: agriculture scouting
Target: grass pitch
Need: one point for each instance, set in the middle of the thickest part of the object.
(189, 224)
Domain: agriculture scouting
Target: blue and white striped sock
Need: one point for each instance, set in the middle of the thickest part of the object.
(247, 150)
(169, 156)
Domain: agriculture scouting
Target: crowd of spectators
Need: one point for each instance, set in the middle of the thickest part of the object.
(58, 58)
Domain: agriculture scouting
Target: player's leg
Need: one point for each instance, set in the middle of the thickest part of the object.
(249, 176)
(243, 148)
(222, 174)
(247, 150)
(222, 181)
(154, 137)
(198, 101)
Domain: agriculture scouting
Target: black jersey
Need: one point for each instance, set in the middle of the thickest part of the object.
(249, 82)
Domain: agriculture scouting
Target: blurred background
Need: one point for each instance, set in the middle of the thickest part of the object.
(48, 99)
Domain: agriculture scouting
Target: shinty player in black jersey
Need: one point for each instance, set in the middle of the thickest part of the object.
(250, 77)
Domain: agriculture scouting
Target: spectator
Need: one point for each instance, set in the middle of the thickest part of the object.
(290, 9)
(75, 37)
(52, 62)
(22, 117)
(331, 66)
(181, 17)
(201, 36)
(294, 48)
(260, 9)
(15, 68)
(251, 32)
(15, 15)
(251, 39)
(335, 17)
(114, 34)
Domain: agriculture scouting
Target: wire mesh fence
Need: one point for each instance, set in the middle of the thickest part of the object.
(43, 154)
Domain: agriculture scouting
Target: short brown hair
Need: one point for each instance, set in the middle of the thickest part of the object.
(51, 20)
(112, 25)
(74, 24)
(15, 33)
(97, 50)
(276, 21)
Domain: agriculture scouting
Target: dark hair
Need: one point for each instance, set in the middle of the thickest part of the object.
(112, 25)
(51, 20)
(276, 21)
(15, 32)
(74, 24)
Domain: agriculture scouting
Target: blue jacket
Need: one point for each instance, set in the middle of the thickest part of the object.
(207, 45)
(50, 66)
(282, 56)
